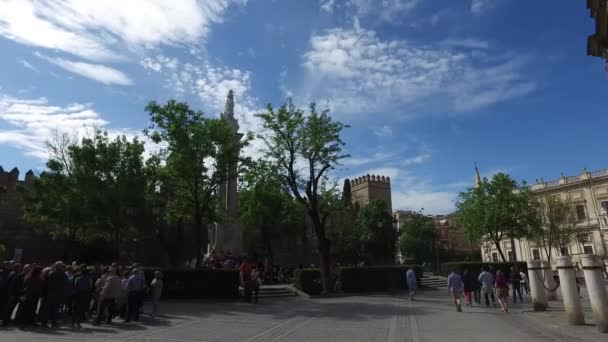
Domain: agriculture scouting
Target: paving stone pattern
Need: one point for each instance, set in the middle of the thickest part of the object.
(390, 318)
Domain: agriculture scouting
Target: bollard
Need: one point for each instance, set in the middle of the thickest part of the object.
(592, 267)
(549, 281)
(567, 283)
(537, 289)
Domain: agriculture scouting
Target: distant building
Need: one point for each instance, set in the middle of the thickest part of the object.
(588, 193)
(451, 240)
(368, 188)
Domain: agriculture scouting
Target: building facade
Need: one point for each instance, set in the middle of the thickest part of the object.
(588, 194)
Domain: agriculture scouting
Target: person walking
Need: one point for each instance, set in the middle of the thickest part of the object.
(110, 291)
(412, 283)
(57, 290)
(516, 284)
(156, 289)
(14, 288)
(83, 289)
(487, 286)
(502, 289)
(467, 286)
(29, 297)
(524, 281)
(135, 288)
(5, 271)
(455, 287)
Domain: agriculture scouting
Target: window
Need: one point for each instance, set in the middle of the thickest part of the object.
(510, 255)
(588, 249)
(580, 212)
(605, 205)
(494, 257)
(564, 251)
(535, 254)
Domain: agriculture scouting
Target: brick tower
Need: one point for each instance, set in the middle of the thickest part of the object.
(367, 188)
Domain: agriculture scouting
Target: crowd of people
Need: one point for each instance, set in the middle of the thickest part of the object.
(32, 295)
(491, 283)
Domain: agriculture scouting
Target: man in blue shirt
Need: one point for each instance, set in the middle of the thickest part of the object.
(455, 287)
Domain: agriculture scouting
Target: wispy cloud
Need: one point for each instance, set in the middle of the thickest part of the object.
(28, 65)
(386, 10)
(480, 6)
(35, 121)
(327, 5)
(96, 72)
(361, 73)
(97, 30)
(384, 131)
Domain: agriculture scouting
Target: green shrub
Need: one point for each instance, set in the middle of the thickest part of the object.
(308, 280)
(357, 279)
(475, 267)
(195, 284)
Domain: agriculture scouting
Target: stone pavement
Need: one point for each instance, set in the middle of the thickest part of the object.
(355, 318)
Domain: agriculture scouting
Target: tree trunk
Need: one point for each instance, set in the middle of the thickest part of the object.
(325, 259)
(513, 248)
(500, 252)
(201, 238)
(266, 239)
(324, 251)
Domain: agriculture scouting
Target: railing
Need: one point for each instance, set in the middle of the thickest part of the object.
(552, 183)
(573, 179)
(599, 173)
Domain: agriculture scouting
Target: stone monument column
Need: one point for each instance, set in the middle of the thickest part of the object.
(229, 235)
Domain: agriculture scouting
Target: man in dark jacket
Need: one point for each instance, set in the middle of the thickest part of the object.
(5, 270)
(14, 287)
(57, 289)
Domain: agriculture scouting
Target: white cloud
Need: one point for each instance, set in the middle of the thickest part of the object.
(361, 73)
(327, 5)
(387, 10)
(28, 65)
(96, 29)
(384, 131)
(471, 43)
(35, 121)
(480, 6)
(96, 72)
(415, 160)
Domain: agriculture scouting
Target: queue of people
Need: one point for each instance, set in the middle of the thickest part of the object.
(33, 295)
(493, 284)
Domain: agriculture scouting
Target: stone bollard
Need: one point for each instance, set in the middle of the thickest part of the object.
(537, 289)
(592, 267)
(549, 281)
(567, 283)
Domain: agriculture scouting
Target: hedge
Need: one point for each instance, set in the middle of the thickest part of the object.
(195, 284)
(308, 280)
(357, 279)
(475, 266)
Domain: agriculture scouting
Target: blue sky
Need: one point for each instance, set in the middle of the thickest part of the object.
(429, 86)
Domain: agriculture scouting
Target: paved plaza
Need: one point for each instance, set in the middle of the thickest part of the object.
(353, 318)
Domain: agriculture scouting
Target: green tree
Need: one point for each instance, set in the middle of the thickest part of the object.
(418, 237)
(266, 207)
(377, 234)
(558, 225)
(200, 154)
(306, 148)
(497, 209)
(91, 189)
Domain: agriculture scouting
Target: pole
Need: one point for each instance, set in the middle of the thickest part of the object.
(570, 295)
(592, 267)
(537, 289)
